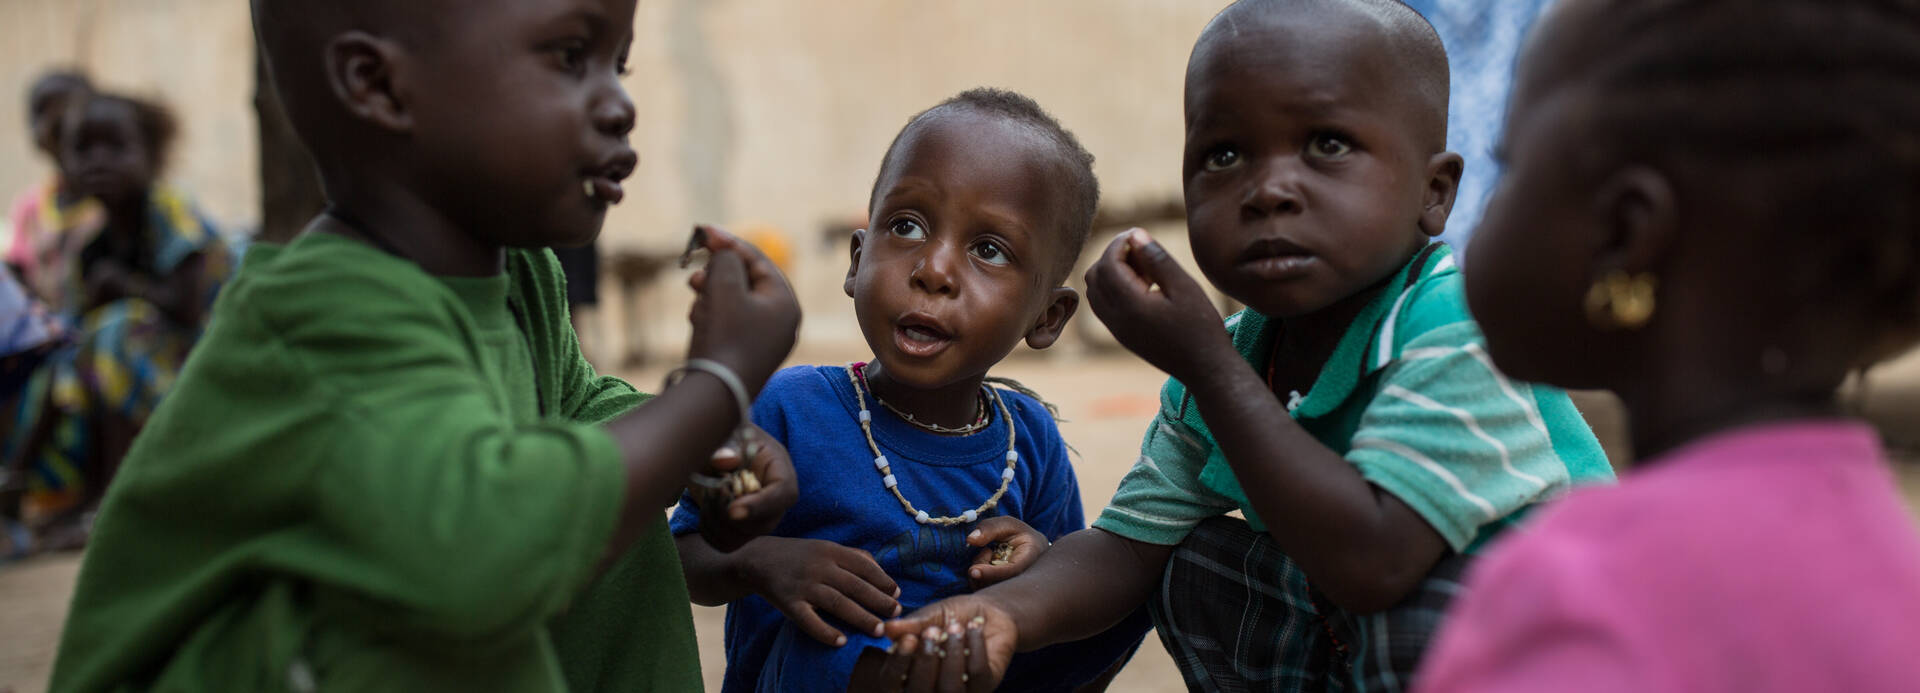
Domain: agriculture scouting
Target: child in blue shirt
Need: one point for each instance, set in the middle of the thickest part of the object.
(912, 464)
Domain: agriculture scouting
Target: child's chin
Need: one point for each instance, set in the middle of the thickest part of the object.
(566, 239)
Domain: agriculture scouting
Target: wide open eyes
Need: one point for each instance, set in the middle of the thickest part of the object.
(991, 253)
(1222, 159)
(1329, 147)
(907, 228)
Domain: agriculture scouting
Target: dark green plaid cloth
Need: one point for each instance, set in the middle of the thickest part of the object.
(1238, 615)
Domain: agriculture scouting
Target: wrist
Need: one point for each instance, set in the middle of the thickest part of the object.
(740, 565)
(1224, 374)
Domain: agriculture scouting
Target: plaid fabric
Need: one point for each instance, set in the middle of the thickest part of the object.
(1238, 615)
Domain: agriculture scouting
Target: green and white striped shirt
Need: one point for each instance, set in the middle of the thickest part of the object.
(1409, 397)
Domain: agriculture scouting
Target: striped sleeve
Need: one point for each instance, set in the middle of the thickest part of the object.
(1453, 438)
(1161, 498)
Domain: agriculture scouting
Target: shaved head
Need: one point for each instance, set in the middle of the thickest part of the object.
(294, 34)
(1419, 60)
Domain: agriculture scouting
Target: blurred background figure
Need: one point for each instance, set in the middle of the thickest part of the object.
(36, 211)
(129, 267)
(1482, 39)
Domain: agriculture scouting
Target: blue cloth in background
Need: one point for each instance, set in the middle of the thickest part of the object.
(811, 409)
(1483, 38)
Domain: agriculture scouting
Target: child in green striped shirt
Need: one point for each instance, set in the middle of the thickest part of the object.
(1349, 414)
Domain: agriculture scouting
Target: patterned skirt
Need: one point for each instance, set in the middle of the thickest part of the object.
(125, 360)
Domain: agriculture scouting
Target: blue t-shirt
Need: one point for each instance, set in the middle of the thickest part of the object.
(811, 409)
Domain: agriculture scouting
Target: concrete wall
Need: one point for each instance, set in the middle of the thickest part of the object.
(769, 111)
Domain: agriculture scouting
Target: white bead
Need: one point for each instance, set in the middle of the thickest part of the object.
(890, 481)
(921, 517)
(1006, 474)
(969, 515)
(866, 416)
(1012, 457)
(880, 462)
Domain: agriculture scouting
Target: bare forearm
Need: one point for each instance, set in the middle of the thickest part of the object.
(713, 578)
(1360, 545)
(1087, 582)
(663, 442)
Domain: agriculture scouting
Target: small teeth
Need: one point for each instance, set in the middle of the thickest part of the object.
(587, 186)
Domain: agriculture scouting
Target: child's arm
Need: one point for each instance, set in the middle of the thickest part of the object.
(744, 317)
(1085, 584)
(803, 578)
(1362, 546)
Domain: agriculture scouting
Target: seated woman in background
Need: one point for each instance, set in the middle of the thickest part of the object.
(132, 272)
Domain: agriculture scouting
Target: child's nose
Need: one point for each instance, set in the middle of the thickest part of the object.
(1274, 189)
(613, 111)
(934, 273)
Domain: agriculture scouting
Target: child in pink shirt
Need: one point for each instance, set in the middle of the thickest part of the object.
(1713, 209)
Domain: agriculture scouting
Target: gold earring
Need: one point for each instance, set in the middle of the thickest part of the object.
(1621, 301)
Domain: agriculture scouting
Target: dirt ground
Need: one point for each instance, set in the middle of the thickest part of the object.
(1104, 400)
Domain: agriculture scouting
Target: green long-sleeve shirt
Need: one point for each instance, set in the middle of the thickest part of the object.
(370, 478)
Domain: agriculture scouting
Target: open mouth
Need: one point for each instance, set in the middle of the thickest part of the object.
(602, 183)
(919, 335)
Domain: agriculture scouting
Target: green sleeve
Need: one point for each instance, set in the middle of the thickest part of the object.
(429, 506)
(1454, 439)
(586, 395)
(1161, 499)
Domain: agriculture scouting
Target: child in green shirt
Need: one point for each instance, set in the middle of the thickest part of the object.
(387, 465)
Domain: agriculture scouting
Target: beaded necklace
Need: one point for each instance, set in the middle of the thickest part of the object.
(880, 464)
(979, 416)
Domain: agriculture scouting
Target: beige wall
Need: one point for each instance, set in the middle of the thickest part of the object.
(773, 111)
(195, 55)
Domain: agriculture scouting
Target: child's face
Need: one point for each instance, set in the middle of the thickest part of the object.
(955, 267)
(518, 111)
(44, 111)
(1529, 267)
(103, 153)
(1304, 178)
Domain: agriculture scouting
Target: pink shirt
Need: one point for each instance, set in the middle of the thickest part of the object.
(1774, 558)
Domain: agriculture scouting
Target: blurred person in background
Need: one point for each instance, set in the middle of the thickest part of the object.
(130, 270)
(37, 212)
(27, 336)
(1482, 38)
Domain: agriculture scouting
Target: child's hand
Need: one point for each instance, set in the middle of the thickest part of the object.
(107, 280)
(805, 577)
(753, 514)
(1174, 326)
(744, 313)
(1023, 543)
(962, 643)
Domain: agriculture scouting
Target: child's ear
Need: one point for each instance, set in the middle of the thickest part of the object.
(1639, 220)
(1053, 320)
(364, 72)
(853, 261)
(1443, 183)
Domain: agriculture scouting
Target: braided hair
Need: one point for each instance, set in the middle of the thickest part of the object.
(1805, 113)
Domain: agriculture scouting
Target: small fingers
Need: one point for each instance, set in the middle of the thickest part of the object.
(979, 674)
(726, 271)
(724, 459)
(999, 528)
(840, 606)
(925, 671)
(984, 574)
(871, 599)
(809, 622)
(899, 661)
(864, 567)
(953, 665)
